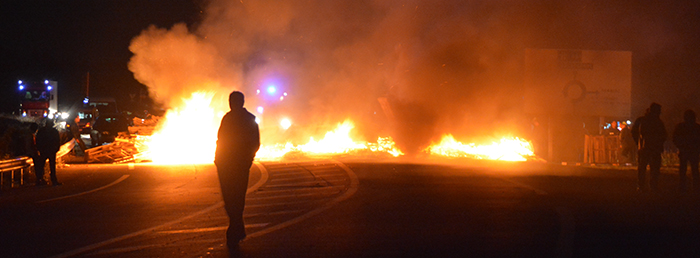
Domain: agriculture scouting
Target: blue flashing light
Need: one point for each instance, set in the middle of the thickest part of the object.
(21, 87)
(86, 100)
(19, 82)
(46, 82)
(49, 88)
(271, 89)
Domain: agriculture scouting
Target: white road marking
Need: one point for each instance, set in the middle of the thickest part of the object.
(537, 191)
(86, 192)
(252, 215)
(296, 195)
(354, 182)
(217, 205)
(263, 178)
(193, 230)
(115, 251)
(140, 232)
(197, 230)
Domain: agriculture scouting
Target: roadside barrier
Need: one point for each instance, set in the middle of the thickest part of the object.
(14, 167)
(20, 166)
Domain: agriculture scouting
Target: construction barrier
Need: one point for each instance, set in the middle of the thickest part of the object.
(602, 149)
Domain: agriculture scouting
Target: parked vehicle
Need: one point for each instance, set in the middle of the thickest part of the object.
(107, 127)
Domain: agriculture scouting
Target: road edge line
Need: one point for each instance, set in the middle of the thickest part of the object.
(119, 180)
(154, 228)
(354, 182)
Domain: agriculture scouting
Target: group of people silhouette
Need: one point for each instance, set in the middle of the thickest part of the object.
(650, 134)
(45, 144)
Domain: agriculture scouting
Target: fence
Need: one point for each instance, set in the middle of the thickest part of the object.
(22, 166)
(602, 149)
(14, 167)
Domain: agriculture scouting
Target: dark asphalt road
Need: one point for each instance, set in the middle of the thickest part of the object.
(353, 208)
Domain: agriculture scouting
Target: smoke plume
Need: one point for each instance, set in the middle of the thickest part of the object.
(442, 66)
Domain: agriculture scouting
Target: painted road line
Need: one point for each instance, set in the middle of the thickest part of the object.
(537, 191)
(354, 182)
(117, 251)
(140, 232)
(217, 205)
(198, 230)
(86, 192)
(263, 178)
(297, 190)
(329, 191)
(274, 213)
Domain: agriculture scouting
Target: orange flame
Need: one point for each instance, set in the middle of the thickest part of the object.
(337, 141)
(188, 136)
(508, 149)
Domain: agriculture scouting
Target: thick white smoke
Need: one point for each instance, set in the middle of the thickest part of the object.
(443, 66)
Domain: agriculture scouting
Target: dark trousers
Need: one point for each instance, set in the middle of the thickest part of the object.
(693, 158)
(233, 178)
(629, 153)
(653, 160)
(39, 164)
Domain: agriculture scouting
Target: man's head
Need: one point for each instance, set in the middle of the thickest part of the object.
(236, 100)
(655, 109)
(689, 116)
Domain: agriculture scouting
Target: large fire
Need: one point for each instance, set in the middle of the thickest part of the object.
(337, 141)
(188, 136)
(508, 148)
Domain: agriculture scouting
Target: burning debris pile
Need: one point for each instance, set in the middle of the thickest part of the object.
(335, 143)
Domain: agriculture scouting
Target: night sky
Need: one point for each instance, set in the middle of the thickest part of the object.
(63, 40)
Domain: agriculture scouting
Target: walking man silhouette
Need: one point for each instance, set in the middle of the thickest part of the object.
(651, 134)
(238, 141)
(686, 137)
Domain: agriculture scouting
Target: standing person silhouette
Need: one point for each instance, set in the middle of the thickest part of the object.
(686, 136)
(74, 129)
(628, 145)
(238, 141)
(48, 142)
(651, 135)
(34, 153)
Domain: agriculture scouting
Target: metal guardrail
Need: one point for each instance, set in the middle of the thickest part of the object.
(13, 166)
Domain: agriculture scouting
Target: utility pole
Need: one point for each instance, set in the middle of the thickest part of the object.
(87, 87)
